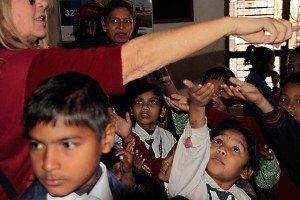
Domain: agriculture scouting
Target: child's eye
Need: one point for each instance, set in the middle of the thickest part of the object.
(69, 145)
(283, 100)
(137, 101)
(153, 102)
(35, 145)
(218, 141)
(298, 100)
(236, 149)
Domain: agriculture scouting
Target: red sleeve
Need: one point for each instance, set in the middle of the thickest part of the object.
(103, 64)
(152, 162)
(215, 118)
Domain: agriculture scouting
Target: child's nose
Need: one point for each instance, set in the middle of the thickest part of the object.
(221, 151)
(50, 161)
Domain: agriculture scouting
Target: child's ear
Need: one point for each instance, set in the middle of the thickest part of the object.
(108, 138)
(163, 112)
(247, 172)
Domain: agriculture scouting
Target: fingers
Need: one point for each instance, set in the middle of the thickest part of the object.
(130, 146)
(267, 152)
(127, 117)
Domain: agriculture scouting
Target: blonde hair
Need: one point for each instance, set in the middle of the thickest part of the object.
(9, 36)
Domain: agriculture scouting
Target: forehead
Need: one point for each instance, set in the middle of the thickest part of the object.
(295, 58)
(216, 82)
(120, 12)
(291, 89)
(53, 132)
(147, 95)
(234, 135)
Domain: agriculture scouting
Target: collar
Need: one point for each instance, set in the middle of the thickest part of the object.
(100, 191)
(236, 191)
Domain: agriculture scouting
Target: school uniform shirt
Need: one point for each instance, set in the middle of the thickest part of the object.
(106, 188)
(188, 177)
(163, 140)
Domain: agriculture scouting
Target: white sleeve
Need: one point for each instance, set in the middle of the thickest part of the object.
(190, 161)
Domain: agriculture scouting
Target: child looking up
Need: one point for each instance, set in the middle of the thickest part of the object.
(69, 128)
(201, 167)
(148, 105)
(281, 123)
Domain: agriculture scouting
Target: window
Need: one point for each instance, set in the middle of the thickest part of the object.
(235, 47)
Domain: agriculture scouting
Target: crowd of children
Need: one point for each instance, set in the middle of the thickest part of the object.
(73, 144)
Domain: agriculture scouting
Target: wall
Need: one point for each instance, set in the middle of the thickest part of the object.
(192, 67)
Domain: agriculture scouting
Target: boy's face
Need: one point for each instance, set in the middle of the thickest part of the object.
(147, 109)
(228, 158)
(294, 64)
(165, 171)
(64, 158)
(290, 99)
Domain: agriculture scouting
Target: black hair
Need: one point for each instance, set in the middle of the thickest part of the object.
(145, 87)
(218, 73)
(76, 97)
(250, 137)
(110, 6)
(221, 73)
(293, 78)
(258, 57)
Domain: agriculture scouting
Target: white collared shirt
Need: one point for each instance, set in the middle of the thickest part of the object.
(163, 140)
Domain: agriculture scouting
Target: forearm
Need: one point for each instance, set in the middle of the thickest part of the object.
(151, 52)
(197, 116)
(265, 106)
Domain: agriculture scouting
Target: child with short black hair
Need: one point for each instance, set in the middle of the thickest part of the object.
(68, 125)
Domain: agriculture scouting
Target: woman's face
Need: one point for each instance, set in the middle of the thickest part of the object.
(29, 19)
(119, 25)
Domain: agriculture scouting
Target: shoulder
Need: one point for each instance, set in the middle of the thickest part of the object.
(35, 191)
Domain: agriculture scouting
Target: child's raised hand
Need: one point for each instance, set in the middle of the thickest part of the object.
(178, 102)
(130, 146)
(266, 152)
(126, 160)
(199, 95)
(138, 161)
(122, 126)
(148, 170)
(244, 91)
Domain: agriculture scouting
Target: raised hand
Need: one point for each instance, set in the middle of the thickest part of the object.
(122, 126)
(178, 102)
(138, 161)
(199, 95)
(248, 92)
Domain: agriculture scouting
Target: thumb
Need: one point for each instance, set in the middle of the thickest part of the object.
(128, 117)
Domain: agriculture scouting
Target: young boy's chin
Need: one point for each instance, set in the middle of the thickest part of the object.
(58, 191)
